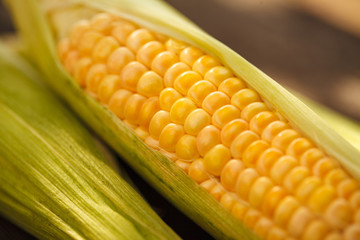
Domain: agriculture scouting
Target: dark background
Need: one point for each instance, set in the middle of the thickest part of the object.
(296, 47)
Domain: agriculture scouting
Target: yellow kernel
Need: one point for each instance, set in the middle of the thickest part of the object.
(245, 181)
(197, 171)
(307, 187)
(284, 138)
(239, 210)
(310, 157)
(299, 220)
(183, 165)
(118, 59)
(273, 129)
(227, 200)
(158, 122)
(186, 147)
(231, 130)
(170, 135)
(81, 69)
(284, 210)
(77, 32)
(252, 109)
(63, 48)
(132, 108)
(103, 48)
(298, 147)
(272, 199)
(231, 86)
(150, 84)
(138, 38)
(200, 90)
(217, 191)
(261, 120)
(181, 109)
(263, 226)
(173, 72)
(203, 64)
(259, 190)
(122, 30)
(142, 133)
(117, 102)
(335, 176)
(352, 232)
(108, 86)
(323, 166)
(251, 217)
(253, 152)
(175, 46)
(154, 144)
(148, 52)
(196, 120)
(70, 61)
(294, 177)
(207, 138)
(315, 230)
(218, 74)
(163, 61)
(185, 80)
(244, 97)
(346, 187)
(224, 115)
(216, 158)
(102, 22)
(190, 54)
(355, 200)
(130, 125)
(131, 74)
(94, 76)
(168, 97)
(334, 236)
(241, 142)
(230, 174)
(321, 198)
(214, 101)
(208, 184)
(281, 167)
(147, 111)
(88, 40)
(267, 160)
(276, 233)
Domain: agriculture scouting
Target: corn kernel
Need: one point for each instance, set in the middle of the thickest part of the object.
(158, 122)
(251, 217)
(230, 174)
(231, 130)
(122, 30)
(241, 142)
(102, 22)
(117, 102)
(185, 80)
(197, 171)
(298, 147)
(173, 72)
(307, 187)
(244, 97)
(335, 176)
(355, 200)
(63, 48)
(263, 226)
(224, 115)
(186, 147)
(259, 190)
(163, 61)
(190, 54)
(216, 158)
(200, 90)
(217, 75)
(252, 109)
(267, 159)
(282, 166)
(284, 138)
(217, 191)
(346, 187)
(310, 157)
(181, 109)
(272, 199)
(239, 210)
(138, 38)
(148, 52)
(245, 181)
(208, 185)
(276, 233)
(301, 217)
(261, 120)
(214, 101)
(142, 133)
(77, 32)
(150, 84)
(175, 46)
(253, 152)
(323, 166)
(196, 120)
(273, 129)
(284, 210)
(103, 48)
(231, 86)
(118, 59)
(334, 236)
(204, 64)
(352, 232)
(147, 111)
(108, 86)
(227, 200)
(88, 40)
(184, 165)
(321, 198)
(70, 61)
(170, 135)
(94, 76)
(315, 230)
(132, 108)
(131, 74)
(168, 97)
(207, 138)
(81, 69)
(294, 177)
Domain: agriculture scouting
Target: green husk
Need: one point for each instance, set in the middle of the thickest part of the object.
(54, 181)
(42, 22)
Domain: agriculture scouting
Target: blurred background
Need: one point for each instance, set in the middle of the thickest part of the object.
(311, 46)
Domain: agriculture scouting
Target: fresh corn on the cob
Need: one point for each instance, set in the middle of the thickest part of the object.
(54, 181)
(250, 144)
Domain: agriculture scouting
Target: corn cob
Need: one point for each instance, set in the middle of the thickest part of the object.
(241, 137)
(54, 180)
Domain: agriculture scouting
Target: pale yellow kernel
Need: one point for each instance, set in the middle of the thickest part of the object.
(259, 190)
(263, 226)
(168, 97)
(231, 86)
(87, 41)
(150, 84)
(252, 109)
(231, 130)
(196, 120)
(356, 217)
(261, 120)
(310, 157)
(347, 187)
(117, 102)
(217, 191)
(203, 64)
(170, 135)
(239, 210)
(175, 46)
(131, 74)
(334, 236)
(185, 80)
(103, 48)
(163, 61)
(208, 184)
(142, 133)
(170, 155)
(267, 159)
(181, 109)
(158, 122)
(227, 200)
(190, 54)
(244, 97)
(184, 165)
(335, 176)
(173, 72)
(218, 74)
(224, 115)
(200, 90)
(207, 138)
(284, 210)
(81, 69)
(299, 220)
(122, 30)
(294, 177)
(118, 59)
(276, 233)
(307, 187)
(154, 144)
(284, 138)
(281, 167)
(70, 61)
(355, 200)
(148, 110)
(138, 38)
(251, 217)
(245, 181)
(272, 199)
(214, 101)
(230, 174)
(148, 52)
(77, 31)
(352, 232)
(94, 76)
(253, 152)
(315, 230)
(130, 125)
(186, 147)
(108, 86)
(273, 129)
(63, 48)
(321, 198)
(324, 166)
(298, 147)
(132, 108)
(216, 158)
(102, 22)
(241, 142)
(197, 171)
